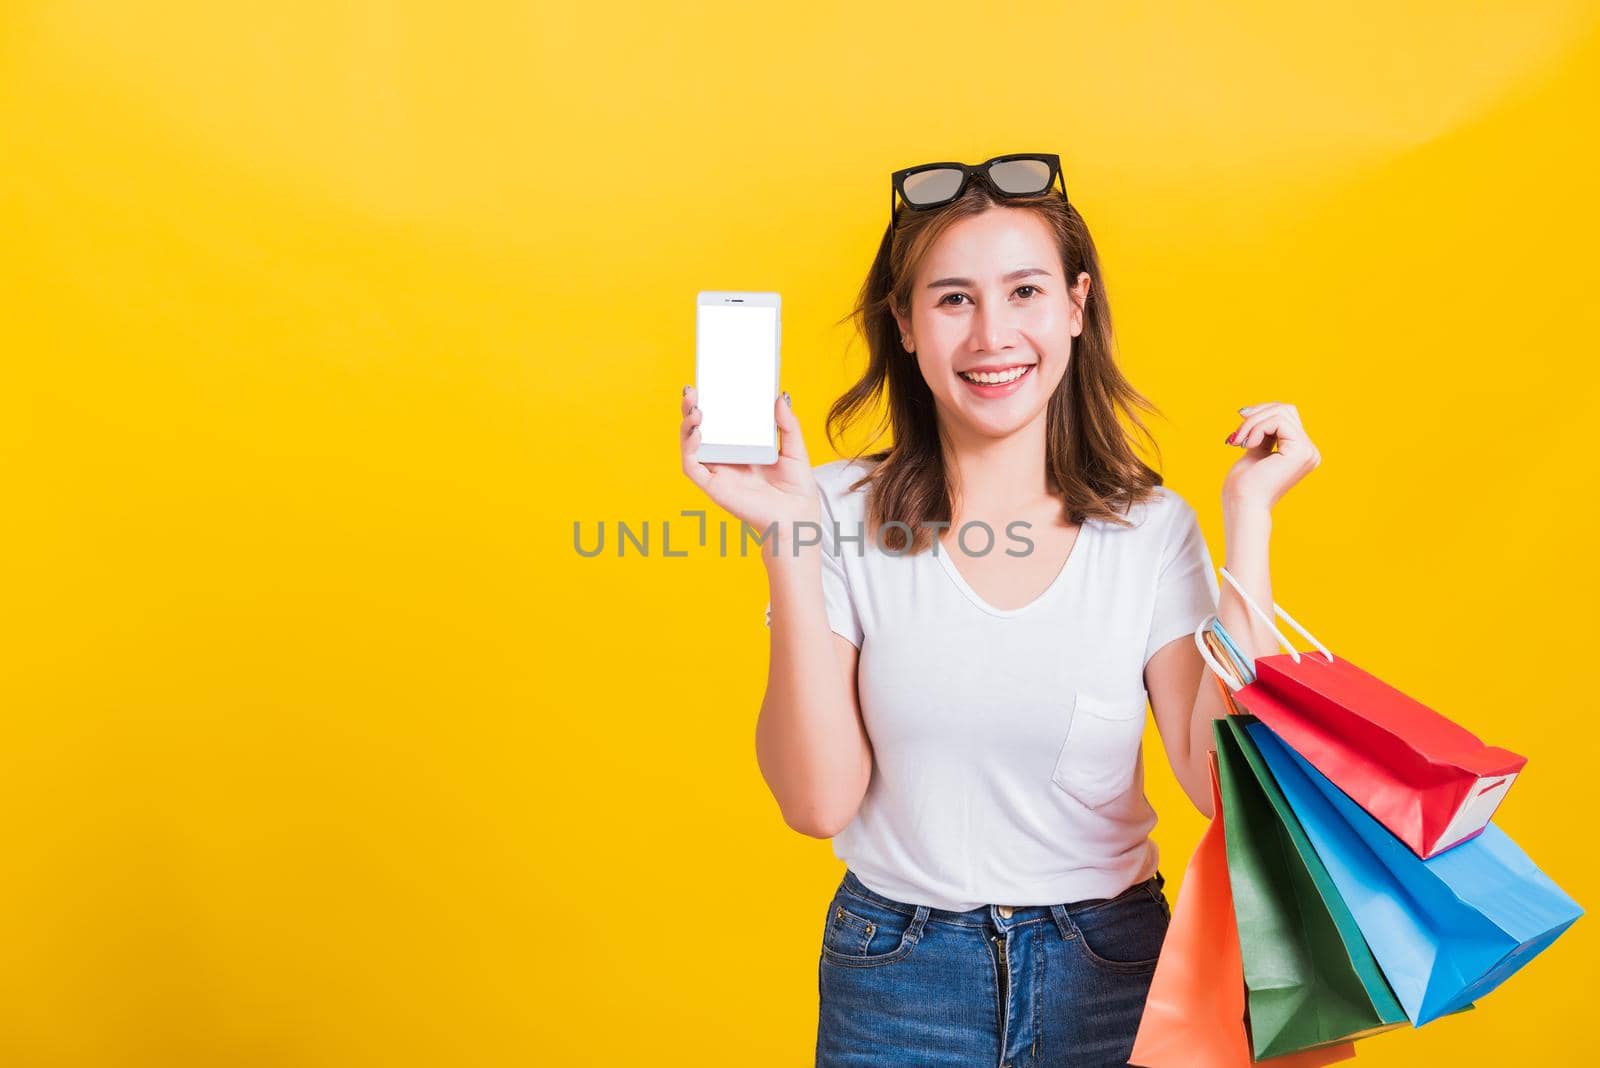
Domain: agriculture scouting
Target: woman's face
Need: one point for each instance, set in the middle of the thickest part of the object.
(992, 321)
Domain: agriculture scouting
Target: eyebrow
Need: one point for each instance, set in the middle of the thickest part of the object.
(1012, 277)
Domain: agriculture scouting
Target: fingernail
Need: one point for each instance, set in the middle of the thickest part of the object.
(685, 391)
(1229, 439)
(1245, 410)
(786, 399)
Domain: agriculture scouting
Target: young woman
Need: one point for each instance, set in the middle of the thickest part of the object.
(961, 661)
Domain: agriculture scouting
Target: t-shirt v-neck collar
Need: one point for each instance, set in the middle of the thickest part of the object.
(1069, 567)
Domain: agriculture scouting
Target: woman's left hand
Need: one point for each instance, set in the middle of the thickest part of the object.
(1261, 476)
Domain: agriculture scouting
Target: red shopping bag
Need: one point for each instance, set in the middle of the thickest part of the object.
(1430, 781)
(1194, 1015)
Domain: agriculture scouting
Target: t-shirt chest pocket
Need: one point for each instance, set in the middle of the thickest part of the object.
(1097, 759)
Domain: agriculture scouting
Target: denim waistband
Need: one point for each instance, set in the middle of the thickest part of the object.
(983, 915)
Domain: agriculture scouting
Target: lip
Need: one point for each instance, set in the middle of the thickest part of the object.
(1004, 389)
(991, 367)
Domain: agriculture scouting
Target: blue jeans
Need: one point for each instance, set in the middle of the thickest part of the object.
(1036, 986)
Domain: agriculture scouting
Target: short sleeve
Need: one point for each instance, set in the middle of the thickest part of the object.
(837, 596)
(1186, 584)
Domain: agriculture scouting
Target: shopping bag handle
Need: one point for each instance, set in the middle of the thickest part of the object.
(1251, 603)
(1240, 661)
(1232, 680)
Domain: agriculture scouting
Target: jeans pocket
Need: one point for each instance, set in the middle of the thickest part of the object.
(866, 934)
(1098, 757)
(1126, 933)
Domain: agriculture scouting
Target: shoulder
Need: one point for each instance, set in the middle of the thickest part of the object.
(835, 481)
(1158, 512)
(1160, 522)
(1173, 505)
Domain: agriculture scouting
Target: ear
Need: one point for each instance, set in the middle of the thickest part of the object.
(902, 327)
(1080, 297)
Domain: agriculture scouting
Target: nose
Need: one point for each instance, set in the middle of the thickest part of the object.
(991, 328)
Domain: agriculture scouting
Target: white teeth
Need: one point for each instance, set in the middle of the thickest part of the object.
(994, 378)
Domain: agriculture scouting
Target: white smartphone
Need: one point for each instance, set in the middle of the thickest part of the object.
(736, 375)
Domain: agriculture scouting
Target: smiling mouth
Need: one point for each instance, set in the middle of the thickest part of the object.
(996, 378)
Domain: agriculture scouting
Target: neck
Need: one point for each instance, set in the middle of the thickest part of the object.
(997, 477)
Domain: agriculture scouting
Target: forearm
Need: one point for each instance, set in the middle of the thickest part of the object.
(1248, 533)
(810, 743)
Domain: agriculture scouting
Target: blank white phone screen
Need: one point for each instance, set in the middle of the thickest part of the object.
(737, 374)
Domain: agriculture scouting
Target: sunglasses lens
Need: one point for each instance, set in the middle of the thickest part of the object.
(1021, 176)
(932, 186)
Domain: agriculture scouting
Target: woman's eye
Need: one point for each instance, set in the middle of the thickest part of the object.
(1019, 289)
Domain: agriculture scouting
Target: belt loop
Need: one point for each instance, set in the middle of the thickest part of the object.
(914, 932)
(1153, 886)
(1064, 924)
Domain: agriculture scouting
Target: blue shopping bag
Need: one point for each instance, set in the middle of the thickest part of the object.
(1446, 930)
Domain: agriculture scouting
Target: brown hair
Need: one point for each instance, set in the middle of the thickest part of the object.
(1089, 459)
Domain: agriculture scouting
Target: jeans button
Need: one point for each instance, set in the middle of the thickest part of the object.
(1005, 911)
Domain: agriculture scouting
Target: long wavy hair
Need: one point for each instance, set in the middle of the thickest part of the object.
(1090, 461)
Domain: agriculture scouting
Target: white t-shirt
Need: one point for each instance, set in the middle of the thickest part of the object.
(1008, 765)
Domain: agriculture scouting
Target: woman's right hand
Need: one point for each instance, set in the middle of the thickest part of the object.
(759, 494)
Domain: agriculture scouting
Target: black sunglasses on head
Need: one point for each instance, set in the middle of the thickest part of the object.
(1021, 174)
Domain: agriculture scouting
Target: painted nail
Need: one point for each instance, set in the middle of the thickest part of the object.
(1229, 439)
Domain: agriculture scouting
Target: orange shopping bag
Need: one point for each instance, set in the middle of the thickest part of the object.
(1194, 1016)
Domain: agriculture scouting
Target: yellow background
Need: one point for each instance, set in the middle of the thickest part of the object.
(323, 322)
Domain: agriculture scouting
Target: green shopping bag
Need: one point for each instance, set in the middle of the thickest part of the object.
(1310, 978)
